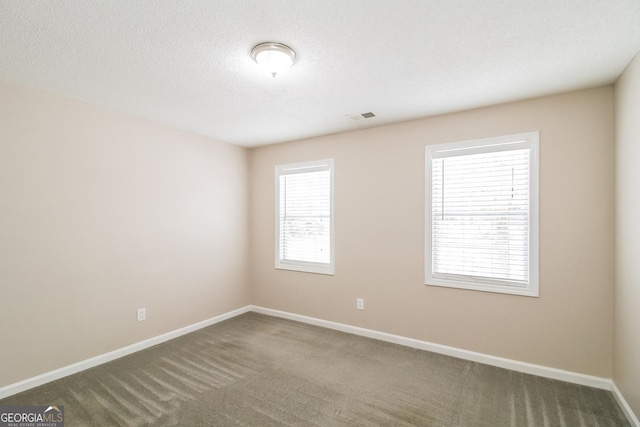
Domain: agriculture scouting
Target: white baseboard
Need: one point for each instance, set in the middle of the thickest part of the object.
(628, 412)
(514, 365)
(21, 386)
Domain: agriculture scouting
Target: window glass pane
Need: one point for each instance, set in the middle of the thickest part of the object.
(305, 217)
(480, 209)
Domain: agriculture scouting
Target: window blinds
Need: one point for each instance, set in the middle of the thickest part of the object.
(305, 216)
(480, 215)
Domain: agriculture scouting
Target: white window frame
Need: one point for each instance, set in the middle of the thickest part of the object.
(525, 140)
(297, 265)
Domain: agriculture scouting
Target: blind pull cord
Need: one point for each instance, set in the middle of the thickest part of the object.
(443, 189)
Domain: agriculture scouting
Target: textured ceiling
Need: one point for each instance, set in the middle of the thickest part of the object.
(187, 63)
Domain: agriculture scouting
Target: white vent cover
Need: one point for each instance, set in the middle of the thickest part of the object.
(360, 116)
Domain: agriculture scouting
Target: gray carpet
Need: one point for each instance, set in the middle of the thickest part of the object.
(256, 370)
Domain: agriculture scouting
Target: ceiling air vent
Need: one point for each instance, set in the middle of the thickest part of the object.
(361, 116)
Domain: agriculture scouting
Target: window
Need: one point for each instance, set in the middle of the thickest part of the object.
(482, 214)
(304, 217)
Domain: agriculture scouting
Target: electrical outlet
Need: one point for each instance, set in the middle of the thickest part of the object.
(142, 314)
(360, 303)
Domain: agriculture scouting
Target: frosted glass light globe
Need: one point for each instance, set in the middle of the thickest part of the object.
(274, 57)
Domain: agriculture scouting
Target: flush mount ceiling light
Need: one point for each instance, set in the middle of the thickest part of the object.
(274, 57)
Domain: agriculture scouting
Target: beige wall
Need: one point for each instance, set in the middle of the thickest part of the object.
(379, 214)
(102, 213)
(626, 366)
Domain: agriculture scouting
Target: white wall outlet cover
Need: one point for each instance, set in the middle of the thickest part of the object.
(360, 304)
(142, 314)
